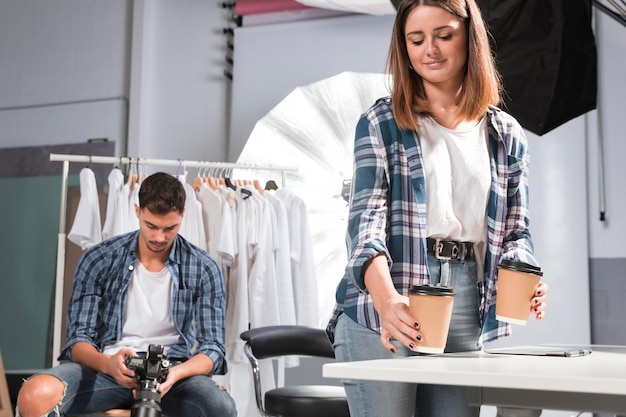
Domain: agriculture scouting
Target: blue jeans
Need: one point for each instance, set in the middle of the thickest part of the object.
(88, 391)
(354, 342)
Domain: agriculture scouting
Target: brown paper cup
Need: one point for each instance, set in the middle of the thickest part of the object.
(516, 286)
(431, 306)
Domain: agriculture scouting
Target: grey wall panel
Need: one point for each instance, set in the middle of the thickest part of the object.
(608, 295)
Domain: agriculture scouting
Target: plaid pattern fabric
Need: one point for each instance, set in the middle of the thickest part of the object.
(98, 302)
(388, 213)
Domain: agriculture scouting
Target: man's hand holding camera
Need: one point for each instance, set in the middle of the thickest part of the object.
(116, 367)
(150, 370)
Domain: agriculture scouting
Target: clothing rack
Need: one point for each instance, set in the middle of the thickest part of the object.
(89, 159)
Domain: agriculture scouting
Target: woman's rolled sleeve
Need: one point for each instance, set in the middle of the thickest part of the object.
(367, 223)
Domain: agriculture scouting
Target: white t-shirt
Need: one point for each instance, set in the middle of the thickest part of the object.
(116, 184)
(148, 315)
(86, 230)
(458, 179)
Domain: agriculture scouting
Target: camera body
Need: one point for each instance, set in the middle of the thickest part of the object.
(150, 371)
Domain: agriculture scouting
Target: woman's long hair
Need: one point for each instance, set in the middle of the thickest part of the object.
(482, 84)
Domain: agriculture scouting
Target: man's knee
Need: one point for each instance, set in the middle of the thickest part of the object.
(517, 412)
(39, 395)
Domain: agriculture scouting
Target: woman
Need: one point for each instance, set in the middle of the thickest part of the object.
(436, 160)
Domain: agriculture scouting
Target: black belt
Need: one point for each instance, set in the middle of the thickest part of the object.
(449, 249)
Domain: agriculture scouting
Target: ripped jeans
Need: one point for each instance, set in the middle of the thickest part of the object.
(88, 391)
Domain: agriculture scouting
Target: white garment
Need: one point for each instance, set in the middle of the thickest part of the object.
(191, 226)
(257, 244)
(211, 206)
(226, 245)
(133, 202)
(286, 301)
(116, 183)
(303, 268)
(86, 230)
(121, 222)
(284, 282)
(148, 315)
(458, 180)
(262, 282)
(237, 308)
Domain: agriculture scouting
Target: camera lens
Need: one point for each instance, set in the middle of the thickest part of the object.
(147, 404)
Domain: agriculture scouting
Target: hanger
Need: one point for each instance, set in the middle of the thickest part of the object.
(132, 176)
(198, 181)
(257, 185)
(230, 184)
(228, 181)
(271, 185)
(140, 171)
(180, 171)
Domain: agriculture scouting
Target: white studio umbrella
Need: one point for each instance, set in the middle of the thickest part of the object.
(313, 128)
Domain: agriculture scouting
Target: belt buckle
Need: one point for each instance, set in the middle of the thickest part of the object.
(439, 248)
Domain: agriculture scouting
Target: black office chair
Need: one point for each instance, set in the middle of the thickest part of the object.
(296, 400)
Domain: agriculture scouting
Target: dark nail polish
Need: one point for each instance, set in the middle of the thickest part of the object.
(538, 292)
(416, 325)
(392, 350)
(535, 310)
(411, 345)
(419, 337)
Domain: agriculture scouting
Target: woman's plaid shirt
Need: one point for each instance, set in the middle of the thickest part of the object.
(388, 212)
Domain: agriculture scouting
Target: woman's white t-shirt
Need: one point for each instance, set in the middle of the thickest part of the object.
(458, 179)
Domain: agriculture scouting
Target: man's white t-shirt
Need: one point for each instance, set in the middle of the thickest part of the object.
(148, 315)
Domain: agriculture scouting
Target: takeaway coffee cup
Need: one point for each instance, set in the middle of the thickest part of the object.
(516, 286)
(431, 306)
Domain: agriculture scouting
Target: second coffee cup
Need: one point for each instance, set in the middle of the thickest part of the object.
(516, 286)
(431, 306)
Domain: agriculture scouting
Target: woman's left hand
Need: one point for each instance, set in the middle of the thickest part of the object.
(538, 302)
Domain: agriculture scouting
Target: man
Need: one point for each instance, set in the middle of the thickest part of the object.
(146, 287)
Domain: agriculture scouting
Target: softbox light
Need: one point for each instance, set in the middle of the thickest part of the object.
(546, 53)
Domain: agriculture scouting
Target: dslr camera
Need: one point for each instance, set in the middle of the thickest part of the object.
(150, 371)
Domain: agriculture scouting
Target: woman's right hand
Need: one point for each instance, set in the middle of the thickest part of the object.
(397, 323)
(393, 308)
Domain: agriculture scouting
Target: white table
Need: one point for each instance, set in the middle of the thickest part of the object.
(594, 383)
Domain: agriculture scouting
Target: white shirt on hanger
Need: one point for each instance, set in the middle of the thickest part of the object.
(262, 280)
(133, 201)
(116, 183)
(303, 267)
(211, 206)
(237, 303)
(191, 226)
(121, 222)
(282, 259)
(226, 245)
(86, 230)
